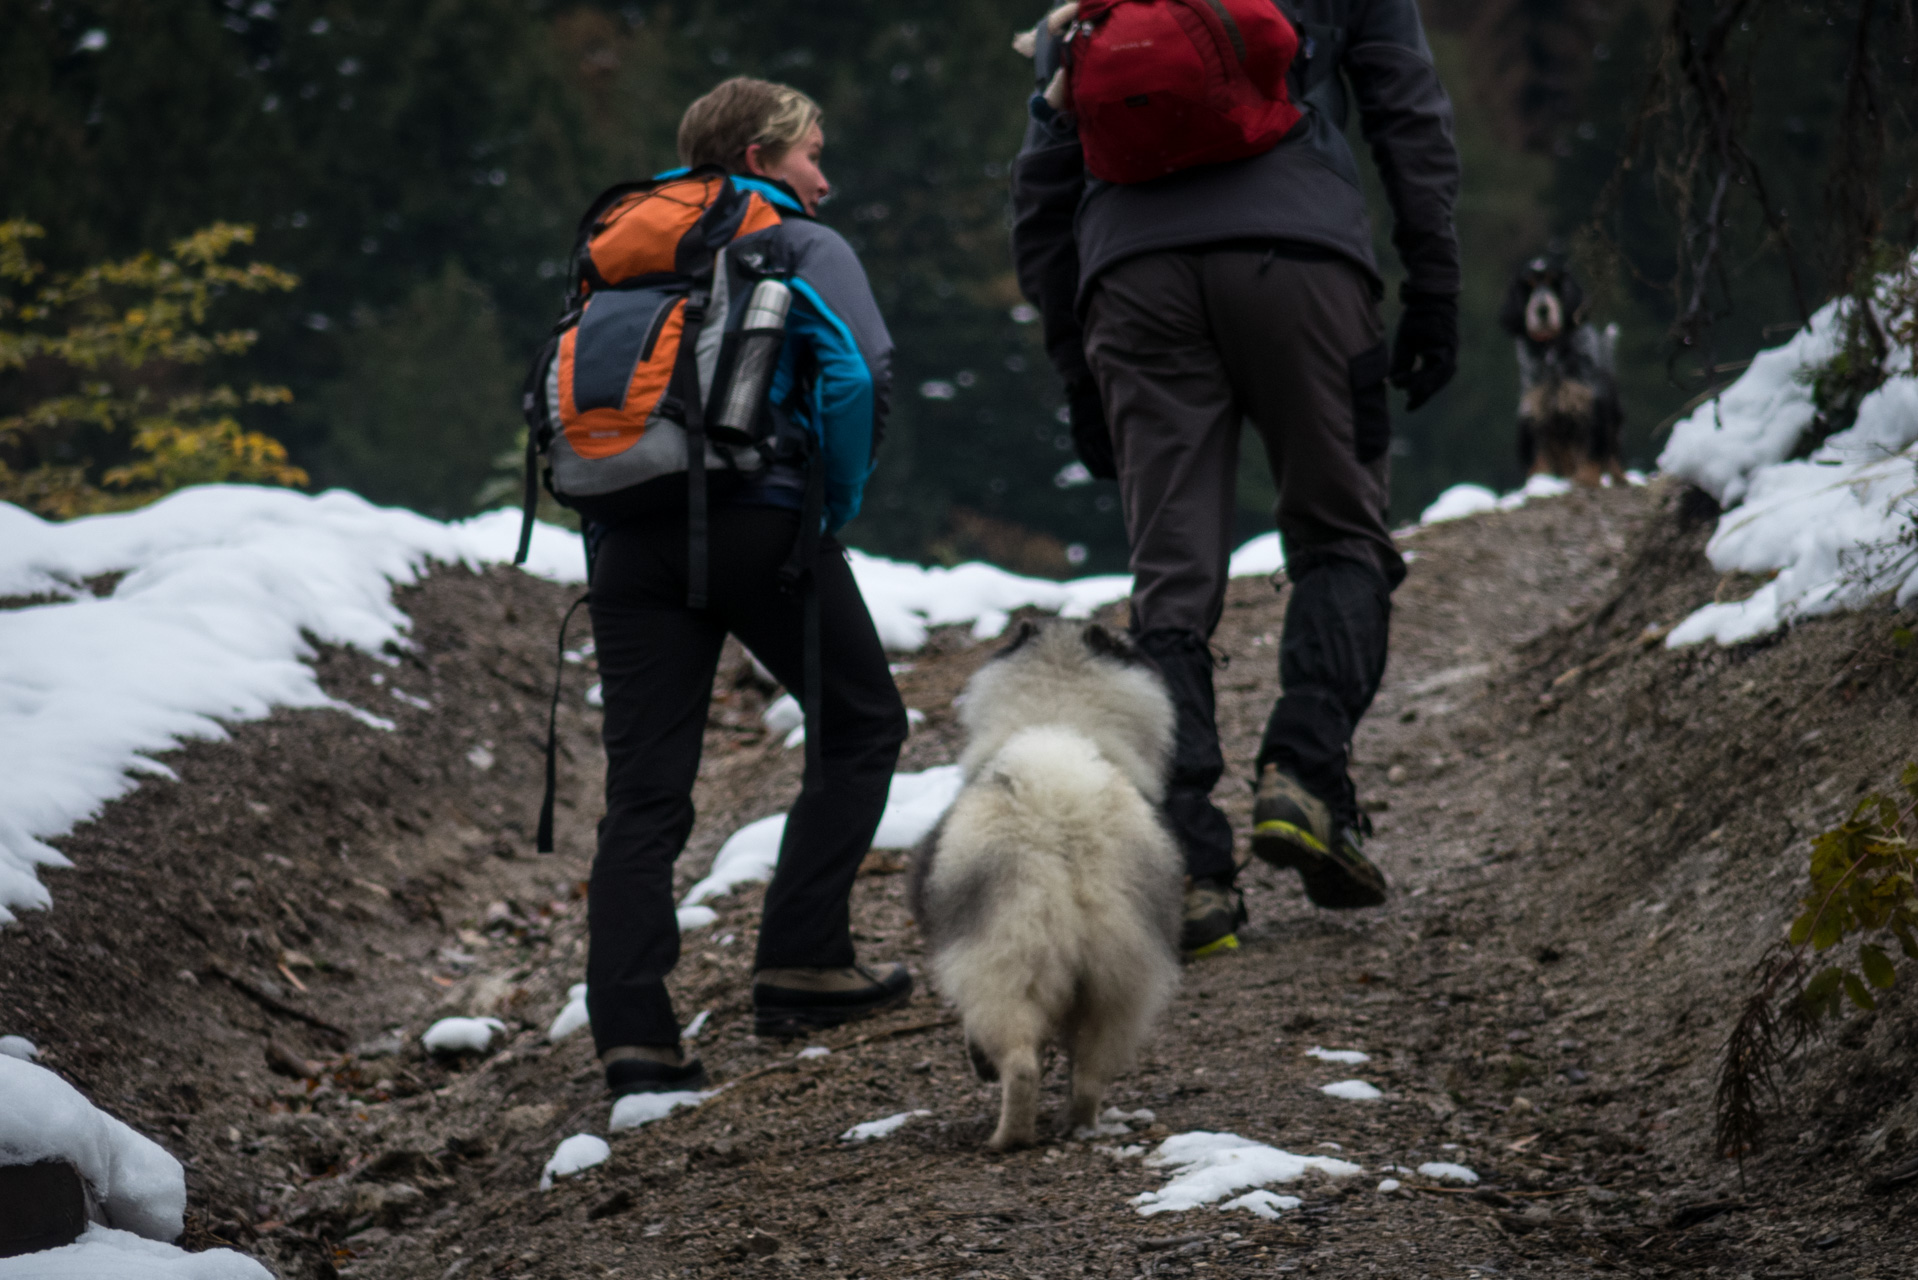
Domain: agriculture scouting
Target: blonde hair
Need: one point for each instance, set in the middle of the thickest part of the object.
(740, 113)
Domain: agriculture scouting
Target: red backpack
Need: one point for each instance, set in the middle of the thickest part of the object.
(1163, 85)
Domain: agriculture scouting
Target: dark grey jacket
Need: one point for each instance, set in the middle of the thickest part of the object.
(1068, 227)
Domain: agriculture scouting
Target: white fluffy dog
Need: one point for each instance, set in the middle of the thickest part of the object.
(1050, 893)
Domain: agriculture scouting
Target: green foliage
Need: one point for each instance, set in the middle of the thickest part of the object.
(427, 399)
(1864, 888)
(373, 142)
(110, 351)
(1875, 320)
(1864, 881)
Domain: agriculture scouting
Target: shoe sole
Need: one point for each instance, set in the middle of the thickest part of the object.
(1286, 844)
(787, 1023)
(1230, 942)
(693, 1084)
(1328, 882)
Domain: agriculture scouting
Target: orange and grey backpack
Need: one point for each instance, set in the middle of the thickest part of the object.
(651, 395)
(651, 392)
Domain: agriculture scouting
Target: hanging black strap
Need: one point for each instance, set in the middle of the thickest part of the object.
(694, 401)
(798, 574)
(532, 407)
(543, 840)
(531, 501)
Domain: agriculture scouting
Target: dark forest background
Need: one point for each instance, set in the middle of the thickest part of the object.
(420, 164)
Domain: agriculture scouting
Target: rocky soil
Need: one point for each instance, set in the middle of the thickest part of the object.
(1591, 839)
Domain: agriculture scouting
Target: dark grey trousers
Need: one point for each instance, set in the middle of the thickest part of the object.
(1187, 346)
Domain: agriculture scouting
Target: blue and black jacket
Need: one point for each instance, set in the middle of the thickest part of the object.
(834, 377)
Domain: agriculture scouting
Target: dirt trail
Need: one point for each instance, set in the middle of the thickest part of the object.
(1590, 839)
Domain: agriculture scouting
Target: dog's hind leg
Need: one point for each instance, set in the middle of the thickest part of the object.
(1102, 1041)
(1019, 1099)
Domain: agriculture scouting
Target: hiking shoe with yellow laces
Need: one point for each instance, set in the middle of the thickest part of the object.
(1291, 827)
(1214, 910)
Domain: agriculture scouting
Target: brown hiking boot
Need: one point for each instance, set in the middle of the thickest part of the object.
(792, 1002)
(1214, 910)
(1291, 827)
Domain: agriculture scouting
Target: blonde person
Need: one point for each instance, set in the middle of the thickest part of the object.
(657, 654)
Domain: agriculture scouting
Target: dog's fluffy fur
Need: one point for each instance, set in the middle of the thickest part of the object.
(1050, 893)
(1569, 415)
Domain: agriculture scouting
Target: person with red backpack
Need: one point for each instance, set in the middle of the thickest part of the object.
(1190, 223)
(712, 403)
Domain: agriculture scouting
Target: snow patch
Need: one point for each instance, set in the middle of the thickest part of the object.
(1208, 1167)
(572, 1016)
(907, 600)
(1351, 1090)
(784, 715)
(19, 1047)
(1388, 1184)
(574, 1155)
(1458, 502)
(140, 1187)
(1260, 558)
(101, 1253)
(814, 1051)
(1759, 419)
(880, 1128)
(1114, 1123)
(462, 1035)
(1825, 528)
(914, 804)
(748, 856)
(1262, 1202)
(225, 583)
(636, 1109)
(1345, 1057)
(1441, 1171)
(1462, 500)
(697, 1025)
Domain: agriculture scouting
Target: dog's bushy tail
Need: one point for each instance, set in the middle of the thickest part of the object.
(1061, 893)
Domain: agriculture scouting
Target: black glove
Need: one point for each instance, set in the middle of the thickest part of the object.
(1425, 353)
(1091, 437)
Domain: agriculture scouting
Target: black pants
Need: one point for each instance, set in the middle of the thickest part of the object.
(657, 659)
(1188, 346)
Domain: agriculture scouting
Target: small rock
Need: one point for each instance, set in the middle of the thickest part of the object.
(619, 1202)
(388, 1205)
(532, 1115)
(285, 1061)
(380, 1047)
(1396, 774)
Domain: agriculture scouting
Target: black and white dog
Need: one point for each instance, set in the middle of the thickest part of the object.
(1569, 417)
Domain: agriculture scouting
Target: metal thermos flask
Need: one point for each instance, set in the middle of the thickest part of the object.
(760, 335)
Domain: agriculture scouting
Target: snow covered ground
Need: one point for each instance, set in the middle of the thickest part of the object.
(140, 1189)
(913, 804)
(462, 1035)
(158, 626)
(208, 625)
(1209, 1167)
(882, 1127)
(1826, 528)
(1462, 500)
(574, 1155)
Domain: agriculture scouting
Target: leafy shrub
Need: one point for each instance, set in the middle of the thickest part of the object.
(1864, 886)
(106, 357)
